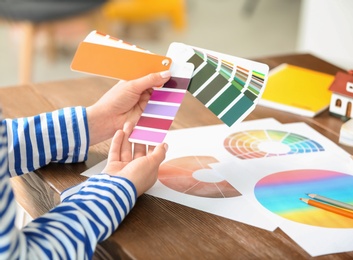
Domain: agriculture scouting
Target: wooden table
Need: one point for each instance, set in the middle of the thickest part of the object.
(157, 228)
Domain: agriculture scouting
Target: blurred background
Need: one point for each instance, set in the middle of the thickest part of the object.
(41, 49)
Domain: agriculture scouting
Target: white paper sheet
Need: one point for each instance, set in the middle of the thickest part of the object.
(261, 149)
(328, 233)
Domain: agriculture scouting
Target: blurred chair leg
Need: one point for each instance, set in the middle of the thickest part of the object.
(50, 45)
(26, 53)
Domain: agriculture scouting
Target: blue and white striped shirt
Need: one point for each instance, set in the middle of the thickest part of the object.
(72, 229)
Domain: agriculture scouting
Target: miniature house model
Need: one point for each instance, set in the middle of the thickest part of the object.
(342, 95)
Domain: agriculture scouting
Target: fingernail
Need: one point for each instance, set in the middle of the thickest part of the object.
(166, 147)
(165, 74)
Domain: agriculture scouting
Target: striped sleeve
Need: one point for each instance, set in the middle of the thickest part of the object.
(60, 136)
(72, 229)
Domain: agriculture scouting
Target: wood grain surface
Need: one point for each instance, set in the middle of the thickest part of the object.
(157, 228)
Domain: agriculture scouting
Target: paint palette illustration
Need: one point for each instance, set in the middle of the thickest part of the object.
(280, 193)
(265, 143)
(228, 86)
(192, 175)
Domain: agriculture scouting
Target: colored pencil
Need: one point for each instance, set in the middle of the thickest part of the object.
(328, 207)
(331, 201)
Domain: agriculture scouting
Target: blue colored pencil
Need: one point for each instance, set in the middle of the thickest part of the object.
(331, 201)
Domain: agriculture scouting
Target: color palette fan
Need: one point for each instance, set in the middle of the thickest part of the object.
(227, 85)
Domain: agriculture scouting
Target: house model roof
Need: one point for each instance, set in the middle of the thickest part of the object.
(343, 84)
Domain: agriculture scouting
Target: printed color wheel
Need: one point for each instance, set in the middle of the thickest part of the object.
(265, 143)
(192, 175)
(280, 193)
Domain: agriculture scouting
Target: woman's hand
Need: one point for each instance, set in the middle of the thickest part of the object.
(123, 102)
(139, 165)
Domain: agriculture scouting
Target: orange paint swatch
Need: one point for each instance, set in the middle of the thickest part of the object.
(109, 57)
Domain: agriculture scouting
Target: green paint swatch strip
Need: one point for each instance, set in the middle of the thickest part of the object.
(235, 112)
(212, 89)
(224, 100)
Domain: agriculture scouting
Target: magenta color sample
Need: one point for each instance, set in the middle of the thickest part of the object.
(177, 83)
(156, 123)
(152, 119)
(149, 136)
(167, 96)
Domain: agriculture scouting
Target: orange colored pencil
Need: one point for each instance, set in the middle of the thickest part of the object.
(342, 212)
(336, 203)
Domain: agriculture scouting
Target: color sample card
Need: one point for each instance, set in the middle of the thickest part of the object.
(229, 86)
(162, 107)
(104, 55)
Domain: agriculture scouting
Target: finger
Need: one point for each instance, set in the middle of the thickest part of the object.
(159, 153)
(115, 148)
(120, 82)
(126, 147)
(149, 81)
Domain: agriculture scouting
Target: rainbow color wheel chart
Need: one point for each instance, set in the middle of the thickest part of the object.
(265, 143)
(192, 175)
(280, 193)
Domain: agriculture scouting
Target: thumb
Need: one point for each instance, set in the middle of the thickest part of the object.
(150, 81)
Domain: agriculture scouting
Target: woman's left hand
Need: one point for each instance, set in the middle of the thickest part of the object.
(124, 102)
